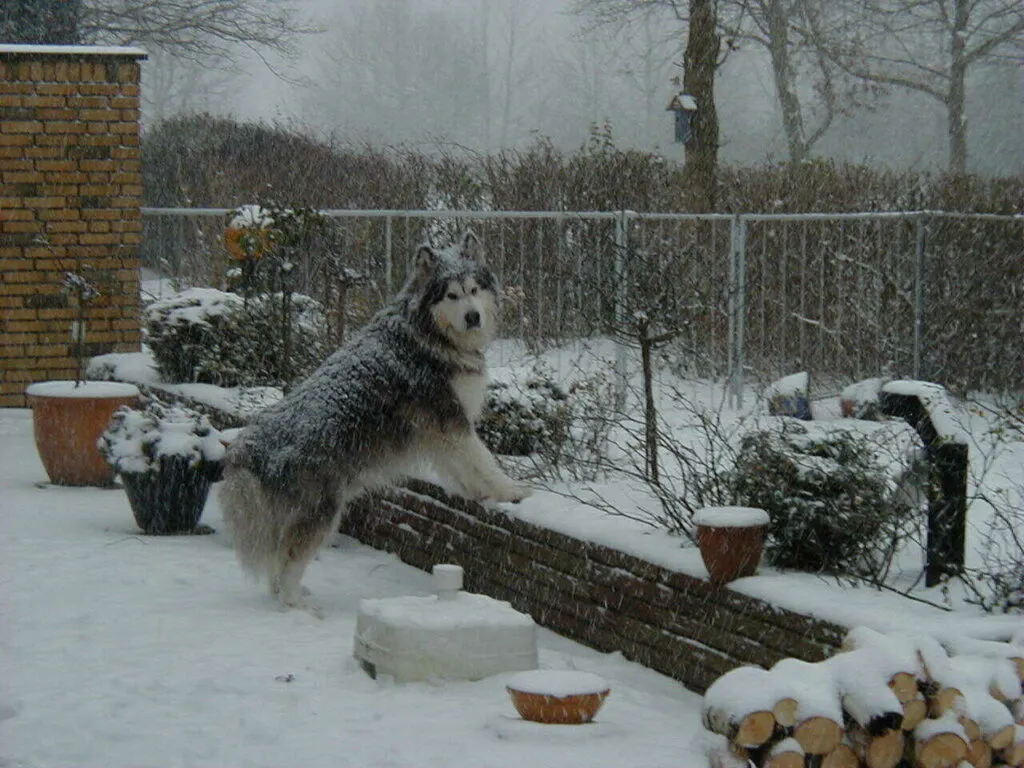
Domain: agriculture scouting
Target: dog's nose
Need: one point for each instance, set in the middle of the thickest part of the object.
(472, 319)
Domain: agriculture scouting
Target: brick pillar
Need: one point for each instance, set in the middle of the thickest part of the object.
(70, 193)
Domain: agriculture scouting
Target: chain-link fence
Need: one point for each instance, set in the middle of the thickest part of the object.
(927, 295)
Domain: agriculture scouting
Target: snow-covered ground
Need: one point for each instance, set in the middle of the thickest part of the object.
(123, 650)
(118, 649)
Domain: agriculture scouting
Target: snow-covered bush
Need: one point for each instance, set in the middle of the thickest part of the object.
(834, 504)
(561, 427)
(214, 337)
(997, 583)
(137, 440)
(528, 418)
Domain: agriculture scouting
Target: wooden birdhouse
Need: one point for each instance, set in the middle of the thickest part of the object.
(685, 108)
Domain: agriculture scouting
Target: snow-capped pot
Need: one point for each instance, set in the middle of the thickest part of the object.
(167, 457)
(248, 235)
(136, 440)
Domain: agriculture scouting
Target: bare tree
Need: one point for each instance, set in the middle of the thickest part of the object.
(788, 30)
(809, 86)
(927, 46)
(196, 29)
(701, 59)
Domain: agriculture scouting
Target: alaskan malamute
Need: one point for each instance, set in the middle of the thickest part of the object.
(406, 388)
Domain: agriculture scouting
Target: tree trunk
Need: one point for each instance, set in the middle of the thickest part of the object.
(700, 60)
(785, 81)
(956, 108)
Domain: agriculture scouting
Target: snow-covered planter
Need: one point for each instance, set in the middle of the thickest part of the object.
(167, 457)
(833, 502)
(731, 541)
(216, 337)
(790, 396)
(247, 236)
(558, 697)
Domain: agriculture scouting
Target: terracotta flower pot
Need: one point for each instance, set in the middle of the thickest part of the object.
(68, 420)
(559, 697)
(731, 540)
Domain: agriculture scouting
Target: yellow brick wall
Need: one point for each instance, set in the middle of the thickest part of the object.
(70, 191)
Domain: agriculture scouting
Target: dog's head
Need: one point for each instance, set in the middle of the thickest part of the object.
(456, 289)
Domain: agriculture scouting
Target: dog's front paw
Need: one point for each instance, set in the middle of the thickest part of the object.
(512, 493)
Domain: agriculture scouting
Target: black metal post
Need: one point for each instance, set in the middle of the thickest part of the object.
(947, 489)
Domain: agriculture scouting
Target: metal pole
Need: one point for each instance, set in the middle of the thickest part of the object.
(920, 225)
(737, 308)
(620, 298)
(389, 265)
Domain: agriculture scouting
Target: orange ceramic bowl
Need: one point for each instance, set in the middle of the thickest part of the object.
(563, 697)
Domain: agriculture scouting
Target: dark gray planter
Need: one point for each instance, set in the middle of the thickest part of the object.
(170, 500)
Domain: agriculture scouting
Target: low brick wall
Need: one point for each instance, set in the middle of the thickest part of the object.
(672, 622)
(71, 182)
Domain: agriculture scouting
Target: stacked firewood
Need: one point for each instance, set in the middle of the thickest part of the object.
(884, 701)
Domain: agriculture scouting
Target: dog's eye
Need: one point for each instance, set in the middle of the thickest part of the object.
(473, 292)
(452, 297)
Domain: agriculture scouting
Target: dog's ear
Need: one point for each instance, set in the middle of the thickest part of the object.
(471, 248)
(426, 259)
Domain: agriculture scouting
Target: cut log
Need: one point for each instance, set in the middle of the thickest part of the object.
(738, 705)
(866, 689)
(943, 701)
(1002, 738)
(940, 750)
(990, 648)
(746, 730)
(786, 754)
(997, 676)
(904, 685)
(818, 735)
(991, 719)
(883, 751)
(940, 743)
(785, 712)
(971, 729)
(1014, 754)
(979, 754)
(819, 716)
(842, 756)
(914, 712)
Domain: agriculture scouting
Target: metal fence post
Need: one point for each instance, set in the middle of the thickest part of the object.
(621, 296)
(920, 231)
(389, 265)
(737, 307)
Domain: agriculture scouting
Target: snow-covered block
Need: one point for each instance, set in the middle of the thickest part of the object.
(949, 424)
(453, 635)
(860, 399)
(790, 396)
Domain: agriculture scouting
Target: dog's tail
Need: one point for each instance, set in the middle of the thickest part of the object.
(255, 519)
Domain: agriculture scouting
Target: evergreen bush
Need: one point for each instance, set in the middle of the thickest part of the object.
(526, 419)
(215, 337)
(834, 505)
